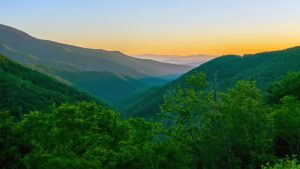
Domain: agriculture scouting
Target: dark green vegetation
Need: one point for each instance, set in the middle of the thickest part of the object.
(198, 128)
(289, 85)
(223, 73)
(52, 57)
(23, 90)
(105, 85)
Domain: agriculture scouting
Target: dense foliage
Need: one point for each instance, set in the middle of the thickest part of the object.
(289, 85)
(85, 136)
(230, 130)
(199, 128)
(283, 164)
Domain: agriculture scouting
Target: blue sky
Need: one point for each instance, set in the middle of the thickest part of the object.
(160, 26)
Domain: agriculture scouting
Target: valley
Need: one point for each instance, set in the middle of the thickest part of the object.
(154, 84)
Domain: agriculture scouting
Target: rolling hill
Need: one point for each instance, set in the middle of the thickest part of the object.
(109, 75)
(23, 90)
(23, 48)
(264, 68)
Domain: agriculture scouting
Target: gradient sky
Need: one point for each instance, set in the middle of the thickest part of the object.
(180, 27)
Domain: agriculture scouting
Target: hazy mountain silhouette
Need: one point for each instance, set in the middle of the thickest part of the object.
(190, 60)
(87, 69)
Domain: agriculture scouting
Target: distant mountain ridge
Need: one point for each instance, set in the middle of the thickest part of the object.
(190, 60)
(52, 57)
(263, 68)
(24, 48)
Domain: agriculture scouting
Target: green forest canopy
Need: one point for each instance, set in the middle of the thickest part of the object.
(199, 128)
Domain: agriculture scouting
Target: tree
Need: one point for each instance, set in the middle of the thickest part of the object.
(182, 112)
(11, 143)
(287, 122)
(288, 85)
(286, 163)
(73, 136)
(232, 131)
(237, 131)
(88, 135)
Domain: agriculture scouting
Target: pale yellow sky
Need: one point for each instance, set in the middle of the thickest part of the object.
(213, 27)
(239, 42)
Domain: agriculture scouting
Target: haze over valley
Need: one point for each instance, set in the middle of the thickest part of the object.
(191, 60)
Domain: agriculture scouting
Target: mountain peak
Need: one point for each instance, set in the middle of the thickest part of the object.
(19, 33)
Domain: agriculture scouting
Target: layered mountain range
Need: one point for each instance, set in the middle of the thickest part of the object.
(191, 60)
(134, 86)
(88, 69)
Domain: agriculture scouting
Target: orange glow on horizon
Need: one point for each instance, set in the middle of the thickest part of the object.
(165, 27)
(235, 46)
(215, 42)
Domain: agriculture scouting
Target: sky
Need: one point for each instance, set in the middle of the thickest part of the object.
(179, 27)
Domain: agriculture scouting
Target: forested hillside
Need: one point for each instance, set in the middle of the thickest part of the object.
(222, 73)
(23, 90)
(198, 128)
(107, 86)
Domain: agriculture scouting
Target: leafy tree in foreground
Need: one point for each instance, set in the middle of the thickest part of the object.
(87, 135)
(283, 164)
(183, 111)
(233, 131)
(288, 85)
(237, 132)
(287, 120)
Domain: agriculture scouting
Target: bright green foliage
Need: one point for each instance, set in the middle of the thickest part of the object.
(76, 136)
(246, 126)
(287, 120)
(79, 136)
(183, 112)
(86, 135)
(182, 108)
(289, 85)
(284, 164)
(232, 131)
